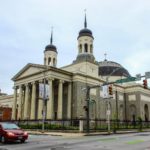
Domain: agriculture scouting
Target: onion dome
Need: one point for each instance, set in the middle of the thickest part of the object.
(85, 31)
(51, 47)
(107, 67)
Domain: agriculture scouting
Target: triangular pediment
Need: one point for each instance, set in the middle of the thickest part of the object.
(28, 70)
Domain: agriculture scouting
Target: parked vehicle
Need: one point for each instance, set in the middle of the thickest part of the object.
(11, 132)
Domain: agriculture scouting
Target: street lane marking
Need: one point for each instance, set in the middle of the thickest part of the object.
(108, 139)
(135, 142)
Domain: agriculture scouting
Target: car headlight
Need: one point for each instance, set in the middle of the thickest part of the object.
(25, 133)
(10, 134)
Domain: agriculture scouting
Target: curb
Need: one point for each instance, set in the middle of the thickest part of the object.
(82, 134)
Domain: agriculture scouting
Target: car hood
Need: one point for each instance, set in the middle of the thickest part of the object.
(18, 131)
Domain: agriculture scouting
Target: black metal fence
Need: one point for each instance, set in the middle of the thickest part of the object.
(74, 125)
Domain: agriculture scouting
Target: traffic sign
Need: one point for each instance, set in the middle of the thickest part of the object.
(129, 79)
(147, 75)
(138, 77)
(105, 91)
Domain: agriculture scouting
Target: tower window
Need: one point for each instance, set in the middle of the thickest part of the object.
(54, 61)
(91, 48)
(80, 48)
(49, 61)
(45, 61)
(85, 48)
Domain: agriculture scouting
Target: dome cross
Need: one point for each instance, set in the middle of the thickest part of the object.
(85, 22)
(51, 39)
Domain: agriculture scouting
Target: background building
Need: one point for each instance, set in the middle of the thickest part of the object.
(6, 103)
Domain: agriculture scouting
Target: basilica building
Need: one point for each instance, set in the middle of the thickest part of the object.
(67, 87)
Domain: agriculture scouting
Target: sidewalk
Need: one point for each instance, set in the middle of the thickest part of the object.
(55, 133)
(82, 134)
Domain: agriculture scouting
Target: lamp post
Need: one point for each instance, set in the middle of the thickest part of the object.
(93, 102)
(44, 105)
(44, 98)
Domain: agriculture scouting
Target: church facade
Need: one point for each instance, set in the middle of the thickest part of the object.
(67, 87)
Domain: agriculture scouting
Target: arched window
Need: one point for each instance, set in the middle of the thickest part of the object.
(45, 61)
(132, 112)
(121, 112)
(49, 61)
(146, 112)
(80, 48)
(85, 48)
(54, 61)
(91, 48)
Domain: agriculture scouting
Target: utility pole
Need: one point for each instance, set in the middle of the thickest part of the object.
(108, 107)
(108, 115)
(44, 95)
(116, 105)
(45, 98)
(108, 99)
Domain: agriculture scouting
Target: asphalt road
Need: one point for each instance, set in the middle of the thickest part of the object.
(136, 141)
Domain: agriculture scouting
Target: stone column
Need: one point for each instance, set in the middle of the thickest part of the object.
(69, 101)
(29, 101)
(50, 102)
(14, 104)
(60, 100)
(26, 114)
(20, 102)
(33, 100)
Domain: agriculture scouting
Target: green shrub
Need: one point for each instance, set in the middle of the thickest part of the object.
(47, 127)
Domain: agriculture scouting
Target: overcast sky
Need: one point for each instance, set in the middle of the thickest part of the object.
(121, 28)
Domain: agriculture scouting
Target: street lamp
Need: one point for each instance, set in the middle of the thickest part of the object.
(93, 103)
(44, 98)
(44, 105)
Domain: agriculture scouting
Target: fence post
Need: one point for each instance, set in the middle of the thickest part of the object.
(81, 124)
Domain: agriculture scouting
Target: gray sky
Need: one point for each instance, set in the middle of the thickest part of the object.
(121, 28)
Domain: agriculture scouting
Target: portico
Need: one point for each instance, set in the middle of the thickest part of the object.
(30, 106)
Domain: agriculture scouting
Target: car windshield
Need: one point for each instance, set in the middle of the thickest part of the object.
(9, 126)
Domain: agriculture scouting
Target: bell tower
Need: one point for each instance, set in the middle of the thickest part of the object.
(85, 45)
(85, 61)
(85, 40)
(50, 53)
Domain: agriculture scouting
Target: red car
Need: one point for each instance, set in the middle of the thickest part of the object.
(11, 132)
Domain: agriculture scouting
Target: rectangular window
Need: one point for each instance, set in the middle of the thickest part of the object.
(1, 113)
